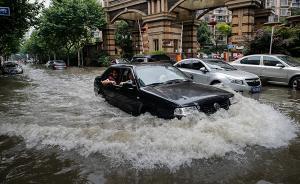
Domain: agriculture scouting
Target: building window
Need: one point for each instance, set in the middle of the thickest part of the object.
(284, 3)
(156, 44)
(296, 4)
(284, 12)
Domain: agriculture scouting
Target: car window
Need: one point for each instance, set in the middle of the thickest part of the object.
(108, 72)
(196, 65)
(185, 64)
(251, 60)
(139, 60)
(59, 61)
(218, 64)
(289, 60)
(270, 61)
(161, 57)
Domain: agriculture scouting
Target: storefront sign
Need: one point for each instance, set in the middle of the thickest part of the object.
(4, 11)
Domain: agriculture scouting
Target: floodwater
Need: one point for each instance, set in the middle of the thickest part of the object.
(54, 130)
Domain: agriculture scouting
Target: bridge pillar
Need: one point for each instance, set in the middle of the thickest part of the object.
(109, 42)
(243, 14)
(136, 41)
(163, 34)
(189, 42)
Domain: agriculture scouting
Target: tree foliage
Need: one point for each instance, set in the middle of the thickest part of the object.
(286, 40)
(22, 15)
(224, 28)
(123, 38)
(204, 34)
(67, 25)
(36, 46)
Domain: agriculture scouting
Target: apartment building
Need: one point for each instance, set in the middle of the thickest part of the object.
(213, 18)
(282, 8)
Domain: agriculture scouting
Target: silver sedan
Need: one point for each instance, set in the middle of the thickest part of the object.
(214, 71)
(279, 69)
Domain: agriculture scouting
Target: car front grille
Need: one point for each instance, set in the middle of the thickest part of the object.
(212, 107)
(253, 82)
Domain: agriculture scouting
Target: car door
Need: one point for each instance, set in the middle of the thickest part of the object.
(271, 72)
(192, 68)
(250, 64)
(128, 93)
(110, 92)
(200, 76)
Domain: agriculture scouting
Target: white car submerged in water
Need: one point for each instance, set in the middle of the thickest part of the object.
(215, 71)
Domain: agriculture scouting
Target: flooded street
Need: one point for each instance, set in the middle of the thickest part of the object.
(54, 130)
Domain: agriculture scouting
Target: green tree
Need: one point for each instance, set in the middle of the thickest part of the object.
(69, 24)
(35, 46)
(124, 38)
(22, 15)
(204, 35)
(224, 29)
(286, 40)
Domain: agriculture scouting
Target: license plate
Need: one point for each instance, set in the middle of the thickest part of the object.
(255, 89)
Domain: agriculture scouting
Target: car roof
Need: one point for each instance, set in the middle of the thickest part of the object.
(265, 55)
(141, 64)
(148, 55)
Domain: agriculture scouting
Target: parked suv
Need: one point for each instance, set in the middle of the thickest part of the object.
(215, 71)
(279, 69)
(152, 58)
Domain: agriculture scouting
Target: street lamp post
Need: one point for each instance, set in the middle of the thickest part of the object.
(271, 42)
(273, 24)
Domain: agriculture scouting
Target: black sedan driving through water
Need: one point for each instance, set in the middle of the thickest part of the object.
(160, 89)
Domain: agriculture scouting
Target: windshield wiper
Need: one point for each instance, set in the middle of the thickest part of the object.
(176, 81)
(155, 84)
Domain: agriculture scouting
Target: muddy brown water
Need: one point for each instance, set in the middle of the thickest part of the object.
(54, 130)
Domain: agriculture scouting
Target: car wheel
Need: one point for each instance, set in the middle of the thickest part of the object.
(295, 83)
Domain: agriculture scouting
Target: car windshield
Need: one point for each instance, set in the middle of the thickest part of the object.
(218, 64)
(60, 61)
(152, 75)
(290, 60)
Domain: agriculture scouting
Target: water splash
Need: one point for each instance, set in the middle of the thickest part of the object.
(78, 121)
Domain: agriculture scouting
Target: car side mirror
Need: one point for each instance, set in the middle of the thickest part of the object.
(203, 69)
(280, 65)
(191, 76)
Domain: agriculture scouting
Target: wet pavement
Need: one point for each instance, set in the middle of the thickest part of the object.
(54, 130)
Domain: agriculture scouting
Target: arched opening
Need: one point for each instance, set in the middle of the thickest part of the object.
(128, 14)
(133, 19)
(197, 5)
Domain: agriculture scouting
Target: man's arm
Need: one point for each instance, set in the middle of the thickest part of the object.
(107, 82)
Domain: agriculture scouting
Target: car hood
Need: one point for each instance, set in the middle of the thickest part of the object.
(187, 93)
(237, 74)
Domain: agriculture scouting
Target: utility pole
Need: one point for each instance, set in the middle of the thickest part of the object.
(181, 47)
(141, 36)
(271, 42)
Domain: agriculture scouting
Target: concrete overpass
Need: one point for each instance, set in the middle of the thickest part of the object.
(165, 22)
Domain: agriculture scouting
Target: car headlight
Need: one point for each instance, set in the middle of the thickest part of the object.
(236, 81)
(183, 111)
